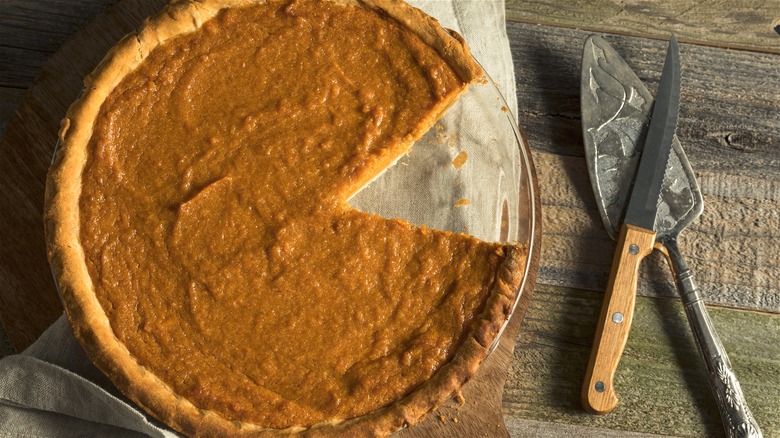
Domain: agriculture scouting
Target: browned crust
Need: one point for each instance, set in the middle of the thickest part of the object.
(87, 318)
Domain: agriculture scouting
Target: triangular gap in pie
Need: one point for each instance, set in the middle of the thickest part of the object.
(198, 228)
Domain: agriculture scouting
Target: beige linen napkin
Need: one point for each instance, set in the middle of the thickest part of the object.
(52, 389)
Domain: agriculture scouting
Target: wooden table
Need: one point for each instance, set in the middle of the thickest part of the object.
(730, 129)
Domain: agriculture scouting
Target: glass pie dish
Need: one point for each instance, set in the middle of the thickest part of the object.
(470, 173)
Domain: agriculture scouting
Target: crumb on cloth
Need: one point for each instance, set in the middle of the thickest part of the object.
(460, 160)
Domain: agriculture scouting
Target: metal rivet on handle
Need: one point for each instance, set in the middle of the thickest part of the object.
(617, 317)
(633, 249)
(600, 387)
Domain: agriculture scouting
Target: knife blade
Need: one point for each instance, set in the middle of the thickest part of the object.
(636, 240)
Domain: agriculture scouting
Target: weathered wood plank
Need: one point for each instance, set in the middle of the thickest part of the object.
(26, 44)
(9, 100)
(732, 247)
(522, 428)
(19, 66)
(661, 381)
(740, 24)
(728, 117)
(21, 27)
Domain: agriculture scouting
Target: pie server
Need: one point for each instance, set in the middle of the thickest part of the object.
(616, 110)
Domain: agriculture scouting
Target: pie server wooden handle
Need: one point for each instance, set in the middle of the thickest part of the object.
(617, 312)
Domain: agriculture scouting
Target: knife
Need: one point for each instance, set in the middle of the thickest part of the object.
(615, 109)
(635, 241)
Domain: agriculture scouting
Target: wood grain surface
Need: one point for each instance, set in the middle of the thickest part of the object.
(738, 24)
(661, 381)
(731, 135)
(729, 129)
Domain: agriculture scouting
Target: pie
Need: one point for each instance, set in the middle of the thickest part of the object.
(198, 226)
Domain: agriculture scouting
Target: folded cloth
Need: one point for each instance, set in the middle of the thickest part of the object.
(53, 390)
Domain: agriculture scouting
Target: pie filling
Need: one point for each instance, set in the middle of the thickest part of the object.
(215, 226)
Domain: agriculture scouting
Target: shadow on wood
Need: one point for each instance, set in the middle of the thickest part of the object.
(660, 380)
(686, 358)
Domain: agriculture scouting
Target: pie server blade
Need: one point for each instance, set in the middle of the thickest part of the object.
(616, 109)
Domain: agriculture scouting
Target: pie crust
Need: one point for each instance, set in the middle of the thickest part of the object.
(88, 319)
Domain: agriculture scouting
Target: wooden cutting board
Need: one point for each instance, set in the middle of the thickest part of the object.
(28, 297)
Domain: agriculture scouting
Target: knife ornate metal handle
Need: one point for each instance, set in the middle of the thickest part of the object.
(737, 419)
(598, 391)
